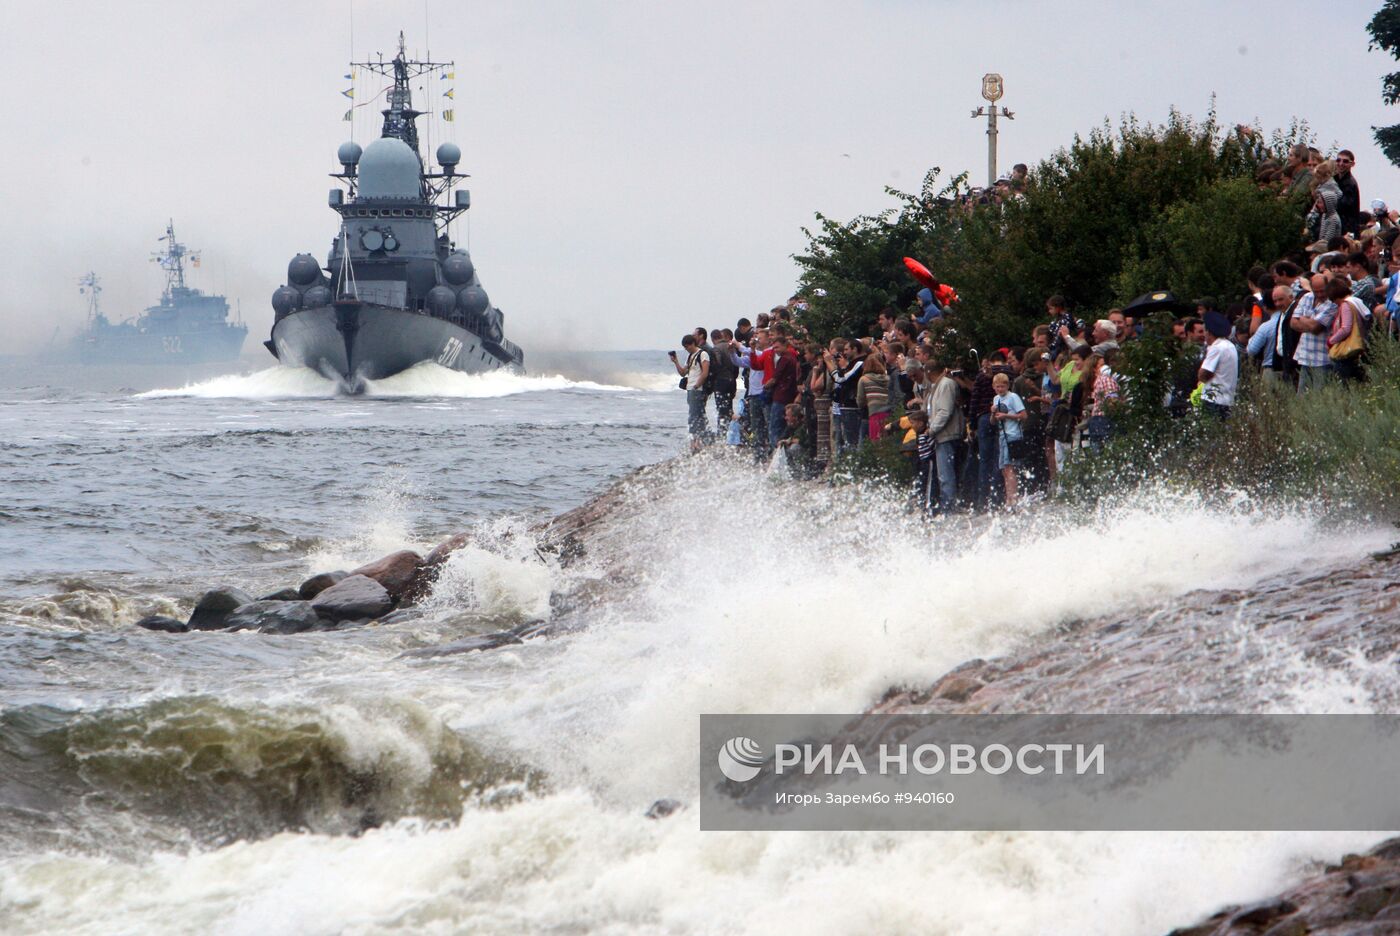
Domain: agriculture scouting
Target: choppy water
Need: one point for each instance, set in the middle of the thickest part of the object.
(324, 783)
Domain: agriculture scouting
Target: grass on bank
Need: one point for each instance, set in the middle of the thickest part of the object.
(1337, 448)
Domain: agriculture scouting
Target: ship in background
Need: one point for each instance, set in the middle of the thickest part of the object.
(395, 290)
(186, 327)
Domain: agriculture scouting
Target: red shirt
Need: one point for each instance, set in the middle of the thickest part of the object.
(760, 362)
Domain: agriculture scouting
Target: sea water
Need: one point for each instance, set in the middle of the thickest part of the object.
(326, 783)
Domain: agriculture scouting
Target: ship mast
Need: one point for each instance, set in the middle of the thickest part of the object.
(172, 260)
(90, 286)
(399, 116)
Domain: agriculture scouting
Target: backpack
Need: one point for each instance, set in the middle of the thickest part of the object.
(710, 379)
(1061, 425)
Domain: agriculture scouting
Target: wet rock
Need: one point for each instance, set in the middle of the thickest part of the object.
(425, 575)
(215, 606)
(469, 645)
(275, 617)
(318, 583)
(285, 594)
(1265, 912)
(356, 597)
(159, 622)
(1358, 896)
(663, 808)
(957, 688)
(395, 571)
(446, 548)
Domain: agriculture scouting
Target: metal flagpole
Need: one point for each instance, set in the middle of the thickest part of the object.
(992, 90)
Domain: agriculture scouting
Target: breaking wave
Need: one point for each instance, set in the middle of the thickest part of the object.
(707, 589)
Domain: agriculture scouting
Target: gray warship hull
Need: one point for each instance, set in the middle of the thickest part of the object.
(357, 341)
(125, 344)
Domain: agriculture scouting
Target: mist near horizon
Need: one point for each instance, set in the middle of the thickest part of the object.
(635, 170)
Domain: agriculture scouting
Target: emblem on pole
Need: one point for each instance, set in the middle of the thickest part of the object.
(991, 87)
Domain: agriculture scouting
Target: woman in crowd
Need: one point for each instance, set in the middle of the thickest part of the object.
(1104, 393)
(873, 393)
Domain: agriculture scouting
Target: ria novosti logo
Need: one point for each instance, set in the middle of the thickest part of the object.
(740, 759)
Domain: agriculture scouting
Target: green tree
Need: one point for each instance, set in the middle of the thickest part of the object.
(1112, 201)
(1192, 251)
(1385, 34)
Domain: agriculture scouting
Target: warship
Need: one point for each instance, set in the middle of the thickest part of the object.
(395, 290)
(186, 327)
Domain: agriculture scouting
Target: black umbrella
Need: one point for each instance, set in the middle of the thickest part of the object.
(1161, 300)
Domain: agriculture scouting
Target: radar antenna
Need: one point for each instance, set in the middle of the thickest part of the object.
(172, 261)
(399, 116)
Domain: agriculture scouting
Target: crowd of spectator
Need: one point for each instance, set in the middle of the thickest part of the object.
(985, 430)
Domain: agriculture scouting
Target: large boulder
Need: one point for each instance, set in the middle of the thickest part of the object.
(283, 594)
(214, 607)
(274, 617)
(159, 622)
(318, 583)
(354, 598)
(395, 571)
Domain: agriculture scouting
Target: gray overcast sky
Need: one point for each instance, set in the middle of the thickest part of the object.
(638, 168)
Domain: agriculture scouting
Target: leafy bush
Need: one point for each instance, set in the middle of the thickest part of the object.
(1334, 448)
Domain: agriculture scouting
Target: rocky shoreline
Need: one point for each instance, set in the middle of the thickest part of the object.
(387, 590)
(1144, 661)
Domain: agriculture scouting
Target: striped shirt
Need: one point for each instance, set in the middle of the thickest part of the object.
(1312, 347)
(926, 446)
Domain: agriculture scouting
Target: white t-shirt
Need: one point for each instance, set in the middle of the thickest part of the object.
(1223, 361)
(692, 376)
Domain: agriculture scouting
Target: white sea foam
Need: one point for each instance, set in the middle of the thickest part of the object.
(430, 379)
(427, 379)
(748, 599)
(272, 383)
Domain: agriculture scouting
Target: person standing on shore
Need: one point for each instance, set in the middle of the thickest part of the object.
(726, 380)
(1007, 413)
(1261, 343)
(754, 358)
(695, 372)
(845, 377)
(1311, 320)
(1349, 205)
(873, 393)
(947, 426)
(782, 384)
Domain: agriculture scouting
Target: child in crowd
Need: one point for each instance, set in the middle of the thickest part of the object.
(1008, 411)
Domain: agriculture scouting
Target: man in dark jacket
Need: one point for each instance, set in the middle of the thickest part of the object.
(725, 373)
(1349, 205)
(782, 384)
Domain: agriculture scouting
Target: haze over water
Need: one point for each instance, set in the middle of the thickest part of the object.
(323, 783)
